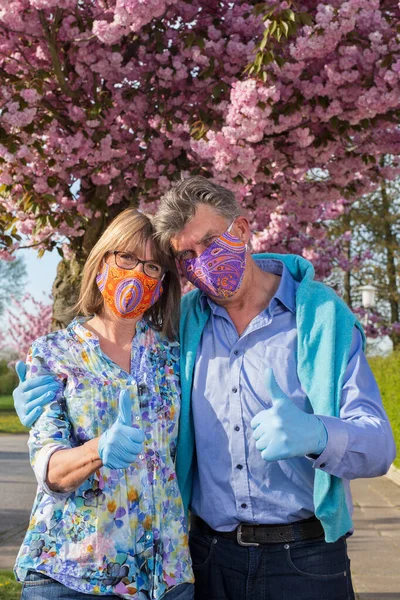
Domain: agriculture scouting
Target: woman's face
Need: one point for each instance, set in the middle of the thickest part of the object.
(131, 288)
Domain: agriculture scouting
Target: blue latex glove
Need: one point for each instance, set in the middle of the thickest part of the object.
(120, 445)
(30, 396)
(285, 431)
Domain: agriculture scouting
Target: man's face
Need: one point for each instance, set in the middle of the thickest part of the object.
(206, 226)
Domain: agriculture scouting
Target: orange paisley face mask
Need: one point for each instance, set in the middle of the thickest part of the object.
(128, 293)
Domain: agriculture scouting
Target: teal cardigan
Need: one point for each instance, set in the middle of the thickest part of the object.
(324, 330)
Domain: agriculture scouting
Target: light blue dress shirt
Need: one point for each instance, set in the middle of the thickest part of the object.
(232, 483)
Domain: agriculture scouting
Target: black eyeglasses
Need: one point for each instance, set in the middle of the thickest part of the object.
(127, 260)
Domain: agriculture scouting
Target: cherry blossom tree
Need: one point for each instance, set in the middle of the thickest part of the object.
(104, 104)
(26, 320)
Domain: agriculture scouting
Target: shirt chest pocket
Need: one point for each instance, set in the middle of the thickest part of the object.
(283, 362)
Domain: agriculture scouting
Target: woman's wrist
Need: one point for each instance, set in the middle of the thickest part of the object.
(92, 447)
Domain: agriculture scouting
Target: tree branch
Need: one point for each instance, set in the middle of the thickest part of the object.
(51, 40)
(62, 119)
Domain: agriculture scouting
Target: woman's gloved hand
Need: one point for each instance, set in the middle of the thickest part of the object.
(285, 431)
(30, 396)
(120, 445)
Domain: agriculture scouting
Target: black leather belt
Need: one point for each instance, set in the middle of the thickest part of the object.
(254, 535)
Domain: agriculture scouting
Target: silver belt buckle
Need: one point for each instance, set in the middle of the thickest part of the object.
(239, 537)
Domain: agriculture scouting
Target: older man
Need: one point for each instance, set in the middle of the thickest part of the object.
(279, 409)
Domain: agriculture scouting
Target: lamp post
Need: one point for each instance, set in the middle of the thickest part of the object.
(368, 295)
(368, 299)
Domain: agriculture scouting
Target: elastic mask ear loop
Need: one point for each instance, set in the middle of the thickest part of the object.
(229, 230)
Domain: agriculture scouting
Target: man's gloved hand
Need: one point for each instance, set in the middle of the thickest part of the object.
(120, 445)
(30, 396)
(285, 431)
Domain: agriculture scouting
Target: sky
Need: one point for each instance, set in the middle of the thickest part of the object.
(41, 272)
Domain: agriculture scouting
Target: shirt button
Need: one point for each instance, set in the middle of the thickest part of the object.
(234, 390)
(141, 456)
(244, 505)
(237, 428)
(137, 418)
(236, 352)
(322, 465)
(240, 467)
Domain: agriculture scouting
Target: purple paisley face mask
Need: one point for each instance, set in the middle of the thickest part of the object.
(219, 270)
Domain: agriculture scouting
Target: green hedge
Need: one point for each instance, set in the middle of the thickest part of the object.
(9, 422)
(387, 373)
(8, 378)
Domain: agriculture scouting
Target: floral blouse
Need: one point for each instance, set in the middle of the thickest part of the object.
(121, 532)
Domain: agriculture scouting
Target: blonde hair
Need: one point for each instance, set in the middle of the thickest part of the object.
(130, 231)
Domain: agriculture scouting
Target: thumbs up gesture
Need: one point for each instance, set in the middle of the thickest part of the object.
(120, 445)
(285, 431)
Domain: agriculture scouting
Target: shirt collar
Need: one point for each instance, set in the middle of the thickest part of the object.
(286, 292)
(86, 336)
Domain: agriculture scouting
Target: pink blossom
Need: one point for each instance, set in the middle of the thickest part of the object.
(25, 325)
(30, 95)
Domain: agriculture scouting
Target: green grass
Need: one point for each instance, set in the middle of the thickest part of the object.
(10, 589)
(9, 422)
(387, 374)
(6, 403)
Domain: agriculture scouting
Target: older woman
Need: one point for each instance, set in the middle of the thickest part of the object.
(108, 518)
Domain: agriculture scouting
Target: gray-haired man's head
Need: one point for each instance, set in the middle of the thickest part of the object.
(179, 205)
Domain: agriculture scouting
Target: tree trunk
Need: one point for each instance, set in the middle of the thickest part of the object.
(347, 287)
(347, 275)
(65, 292)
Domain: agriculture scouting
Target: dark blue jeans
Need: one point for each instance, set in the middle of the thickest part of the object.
(307, 570)
(39, 587)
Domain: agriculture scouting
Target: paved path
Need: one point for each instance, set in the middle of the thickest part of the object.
(374, 548)
(18, 488)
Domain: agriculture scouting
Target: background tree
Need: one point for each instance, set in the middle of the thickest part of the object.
(26, 320)
(103, 104)
(373, 252)
(12, 280)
